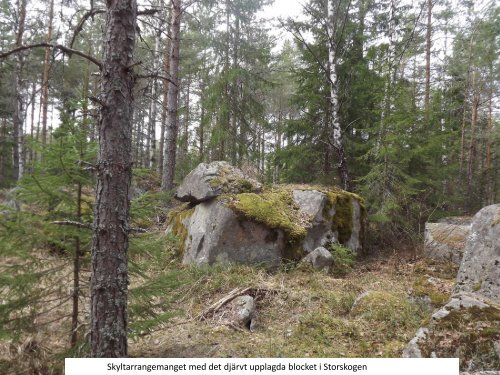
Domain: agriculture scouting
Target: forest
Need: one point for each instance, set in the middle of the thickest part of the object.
(106, 106)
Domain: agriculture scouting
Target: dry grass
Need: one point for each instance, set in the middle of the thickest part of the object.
(306, 314)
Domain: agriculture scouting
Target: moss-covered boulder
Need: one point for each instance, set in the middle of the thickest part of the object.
(208, 181)
(212, 232)
(467, 327)
(266, 226)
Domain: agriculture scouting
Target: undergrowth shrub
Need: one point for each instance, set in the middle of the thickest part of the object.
(344, 259)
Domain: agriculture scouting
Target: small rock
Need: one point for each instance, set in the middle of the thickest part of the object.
(320, 258)
(245, 311)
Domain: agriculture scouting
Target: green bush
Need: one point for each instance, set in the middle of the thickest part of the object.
(343, 259)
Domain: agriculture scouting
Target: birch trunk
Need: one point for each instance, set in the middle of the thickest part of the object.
(335, 130)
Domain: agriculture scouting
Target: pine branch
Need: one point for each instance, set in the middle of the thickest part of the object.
(72, 223)
(155, 75)
(68, 51)
(93, 12)
(79, 27)
(89, 226)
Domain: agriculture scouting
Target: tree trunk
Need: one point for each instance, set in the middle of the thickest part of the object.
(428, 60)
(489, 141)
(154, 90)
(114, 171)
(472, 151)
(32, 129)
(76, 267)
(45, 80)
(335, 133)
(18, 119)
(172, 123)
(164, 107)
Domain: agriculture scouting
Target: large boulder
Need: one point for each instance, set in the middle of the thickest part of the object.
(446, 240)
(208, 181)
(263, 227)
(468, 326)
(479, 271)
(211, 232)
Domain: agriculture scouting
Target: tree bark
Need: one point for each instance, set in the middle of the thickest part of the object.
(114, 171)
(472, 151)
(45, 79)
(335, 134)
(153, 108)
(18, 119)
(172, 100)
(164, 107)
(428, 37)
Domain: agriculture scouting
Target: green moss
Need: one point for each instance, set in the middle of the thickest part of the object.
(342, 221)
(175, 220)
(424, 288)
(343, 260)
(228, 184)
(274, 208)
(469, 333)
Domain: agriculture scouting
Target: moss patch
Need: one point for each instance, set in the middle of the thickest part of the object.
(230, 181)
(175, 220)
(469, 334)
(422, 287)
(274, 208)
(342, 221)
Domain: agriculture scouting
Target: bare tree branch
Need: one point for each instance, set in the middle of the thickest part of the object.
(72, 223)
(79, 27)
(60, 47)
(155, 75)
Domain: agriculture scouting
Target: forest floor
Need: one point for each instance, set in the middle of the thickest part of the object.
(305, 313)
(300, 312)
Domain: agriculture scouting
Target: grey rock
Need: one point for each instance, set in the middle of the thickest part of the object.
(479, 270)
(314, 204)
(459, 302)
(208, 181)
(457, 220)
(355, 241)
(214, 230)
(412, 350)
(481, 373)
(245, 311)
(445, 241)
(320, 258)
(217, 234)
